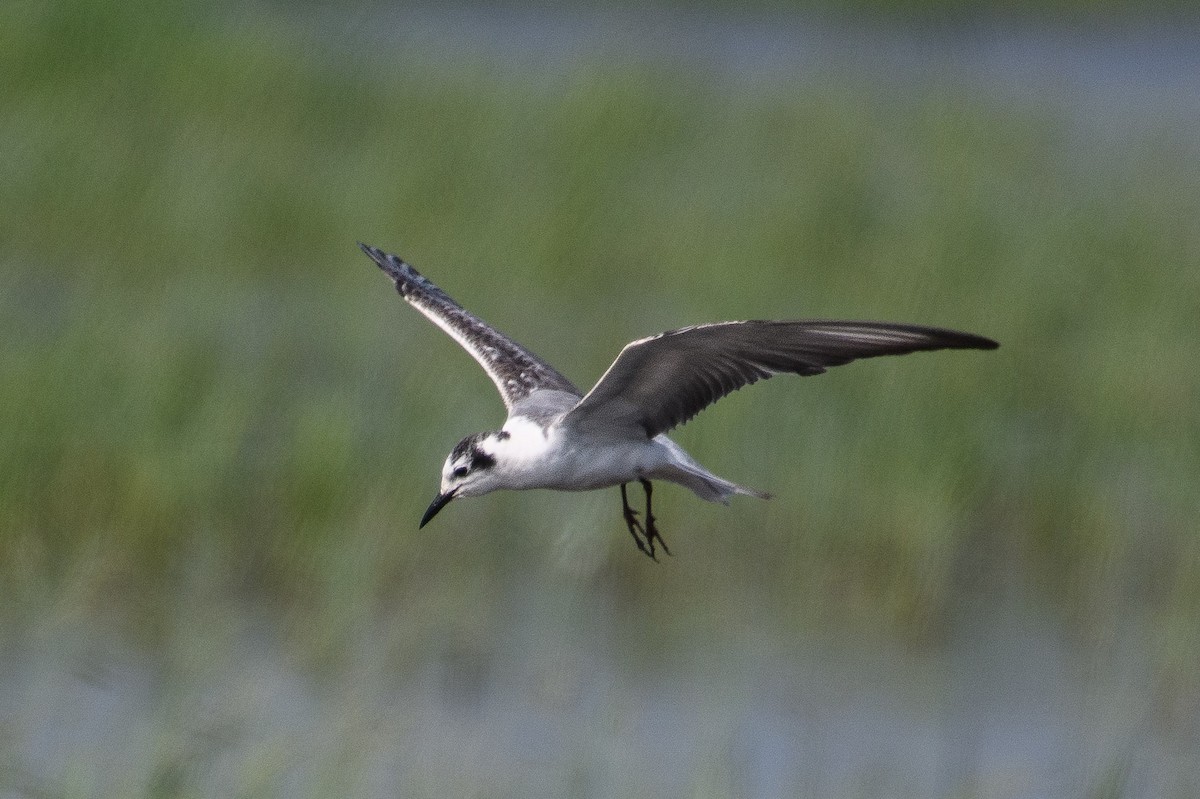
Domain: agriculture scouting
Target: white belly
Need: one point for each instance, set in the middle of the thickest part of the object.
(596, 467)
(534, 456)
(584, 466)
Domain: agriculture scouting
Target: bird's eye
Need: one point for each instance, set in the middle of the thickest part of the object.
(461, 471)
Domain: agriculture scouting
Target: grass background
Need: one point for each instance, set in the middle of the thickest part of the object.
(210, 398)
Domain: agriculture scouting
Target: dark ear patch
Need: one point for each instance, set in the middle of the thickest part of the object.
(481, 460)
(467, 445)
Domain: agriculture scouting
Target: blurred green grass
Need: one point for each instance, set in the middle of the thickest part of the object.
(204, 380)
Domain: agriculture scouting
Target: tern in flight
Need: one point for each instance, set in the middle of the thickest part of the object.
(558, 437)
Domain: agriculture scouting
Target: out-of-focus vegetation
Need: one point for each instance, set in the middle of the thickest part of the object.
(208, 394)
(199, 367)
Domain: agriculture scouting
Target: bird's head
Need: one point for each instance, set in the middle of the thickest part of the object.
(469, 471)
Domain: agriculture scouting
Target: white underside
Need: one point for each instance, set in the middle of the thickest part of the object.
(539, 457)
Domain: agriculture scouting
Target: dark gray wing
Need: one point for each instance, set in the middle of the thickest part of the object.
(659, 382)
(516, 371)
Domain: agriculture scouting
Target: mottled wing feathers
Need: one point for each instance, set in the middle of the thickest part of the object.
(516, 371)
(663, 381)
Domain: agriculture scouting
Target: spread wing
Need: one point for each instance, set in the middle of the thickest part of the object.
(662, 381)
(516, 371)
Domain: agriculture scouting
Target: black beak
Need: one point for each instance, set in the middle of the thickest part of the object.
(439, 502)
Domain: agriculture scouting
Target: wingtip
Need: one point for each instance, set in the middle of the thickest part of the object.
(982, 343)
(393, 266)
(374, 253)
(956, 339)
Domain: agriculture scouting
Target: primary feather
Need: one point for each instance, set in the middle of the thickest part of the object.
(516, 371)
(662, 381)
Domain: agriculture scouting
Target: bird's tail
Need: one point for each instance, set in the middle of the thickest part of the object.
(706, 485)
(717, 489)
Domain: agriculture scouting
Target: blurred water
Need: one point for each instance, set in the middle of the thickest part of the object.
(567, 701)
(1115, 70)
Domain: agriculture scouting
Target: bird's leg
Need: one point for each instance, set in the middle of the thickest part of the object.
(634, 525)
(652, 530)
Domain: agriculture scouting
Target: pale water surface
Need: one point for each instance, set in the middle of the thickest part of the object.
(570, 699)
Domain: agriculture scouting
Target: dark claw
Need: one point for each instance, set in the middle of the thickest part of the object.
(651, 531)
(636, 528)
(652, 535)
